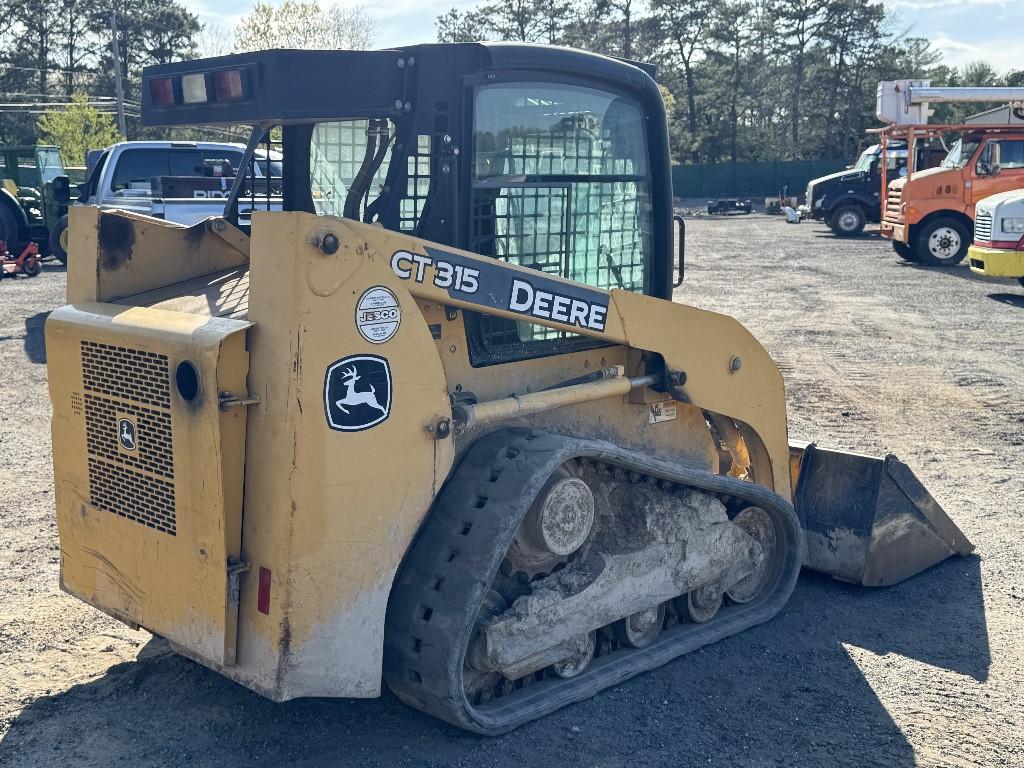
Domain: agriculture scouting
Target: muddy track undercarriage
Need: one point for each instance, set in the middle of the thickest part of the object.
(553, 567)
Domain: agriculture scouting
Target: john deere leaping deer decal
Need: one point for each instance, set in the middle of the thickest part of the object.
(357, 393)
(126, 434)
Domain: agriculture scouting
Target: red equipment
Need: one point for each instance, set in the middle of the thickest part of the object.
(28, 263)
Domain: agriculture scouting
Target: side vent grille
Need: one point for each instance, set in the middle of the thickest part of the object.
(126, 373)
(137, 481)
(154, 435)
(133, 495)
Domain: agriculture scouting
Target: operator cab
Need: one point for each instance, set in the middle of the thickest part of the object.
(544, 157)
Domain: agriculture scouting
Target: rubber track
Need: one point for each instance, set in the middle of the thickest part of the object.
(442, 582)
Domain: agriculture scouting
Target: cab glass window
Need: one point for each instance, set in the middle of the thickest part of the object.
(561, 184)
(894, 161)
(561, 173)
(50, 166)
(136, 168)
(346, 150)
(1001, 155)
(961, 153)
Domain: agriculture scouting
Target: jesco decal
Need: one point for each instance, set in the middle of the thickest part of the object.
(496, 286)
(378, 314)
(357, 393)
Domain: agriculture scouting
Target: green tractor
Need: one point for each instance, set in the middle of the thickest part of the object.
(34, 196)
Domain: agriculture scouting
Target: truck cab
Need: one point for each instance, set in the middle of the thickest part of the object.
(998, 248)
(848, 199)
(929, 215)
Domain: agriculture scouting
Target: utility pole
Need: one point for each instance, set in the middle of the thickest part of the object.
(117, 75)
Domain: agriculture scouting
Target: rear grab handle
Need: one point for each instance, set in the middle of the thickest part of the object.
(680, 249)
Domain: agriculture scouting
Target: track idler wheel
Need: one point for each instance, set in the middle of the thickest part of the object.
(756, 523)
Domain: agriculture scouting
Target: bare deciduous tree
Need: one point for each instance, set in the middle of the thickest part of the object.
(304, 24)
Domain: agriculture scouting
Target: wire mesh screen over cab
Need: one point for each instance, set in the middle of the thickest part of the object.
(336, 152)
(560, 184)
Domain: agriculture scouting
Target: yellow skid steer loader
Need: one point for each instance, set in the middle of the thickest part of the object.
(422, 411)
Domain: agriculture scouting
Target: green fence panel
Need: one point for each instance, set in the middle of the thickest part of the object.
(713, 180)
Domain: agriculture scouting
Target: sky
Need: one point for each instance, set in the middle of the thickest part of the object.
(963, 30)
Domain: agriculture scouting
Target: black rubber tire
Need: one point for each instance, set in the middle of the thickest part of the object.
(847, 220)
(924, 235)
(57, 240)
(9, 228)
(904, 251)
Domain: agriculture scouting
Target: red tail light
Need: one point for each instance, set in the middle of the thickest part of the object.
(229, 85)
(161, 91)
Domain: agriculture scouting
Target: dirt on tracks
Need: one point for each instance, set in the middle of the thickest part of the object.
(878, 355)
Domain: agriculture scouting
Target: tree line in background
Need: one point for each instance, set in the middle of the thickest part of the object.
(57, 67)
(744, 80)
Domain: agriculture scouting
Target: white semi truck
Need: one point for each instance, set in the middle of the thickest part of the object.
(998, 248)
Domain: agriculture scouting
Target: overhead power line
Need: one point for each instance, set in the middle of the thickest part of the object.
(54, 70)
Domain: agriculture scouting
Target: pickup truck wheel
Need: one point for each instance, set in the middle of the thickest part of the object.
(8, 227)
(942, 242)
(904, 251)
(847, 220)
(59, 240)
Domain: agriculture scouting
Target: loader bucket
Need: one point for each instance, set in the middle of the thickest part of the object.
(868, 520)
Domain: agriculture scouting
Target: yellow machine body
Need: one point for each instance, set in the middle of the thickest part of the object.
(205, 492)
(327, 516)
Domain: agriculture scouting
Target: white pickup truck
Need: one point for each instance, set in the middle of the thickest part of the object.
(998, 248)
(184, 182)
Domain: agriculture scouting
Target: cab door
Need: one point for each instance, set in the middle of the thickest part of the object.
(998, 167)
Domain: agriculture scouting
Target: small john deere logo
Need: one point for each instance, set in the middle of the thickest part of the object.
(357, 393)
(126, 434)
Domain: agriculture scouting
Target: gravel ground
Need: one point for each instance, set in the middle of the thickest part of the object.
(878, 356)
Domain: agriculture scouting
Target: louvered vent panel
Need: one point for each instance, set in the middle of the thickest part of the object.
(120, 382)
(129, 373)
